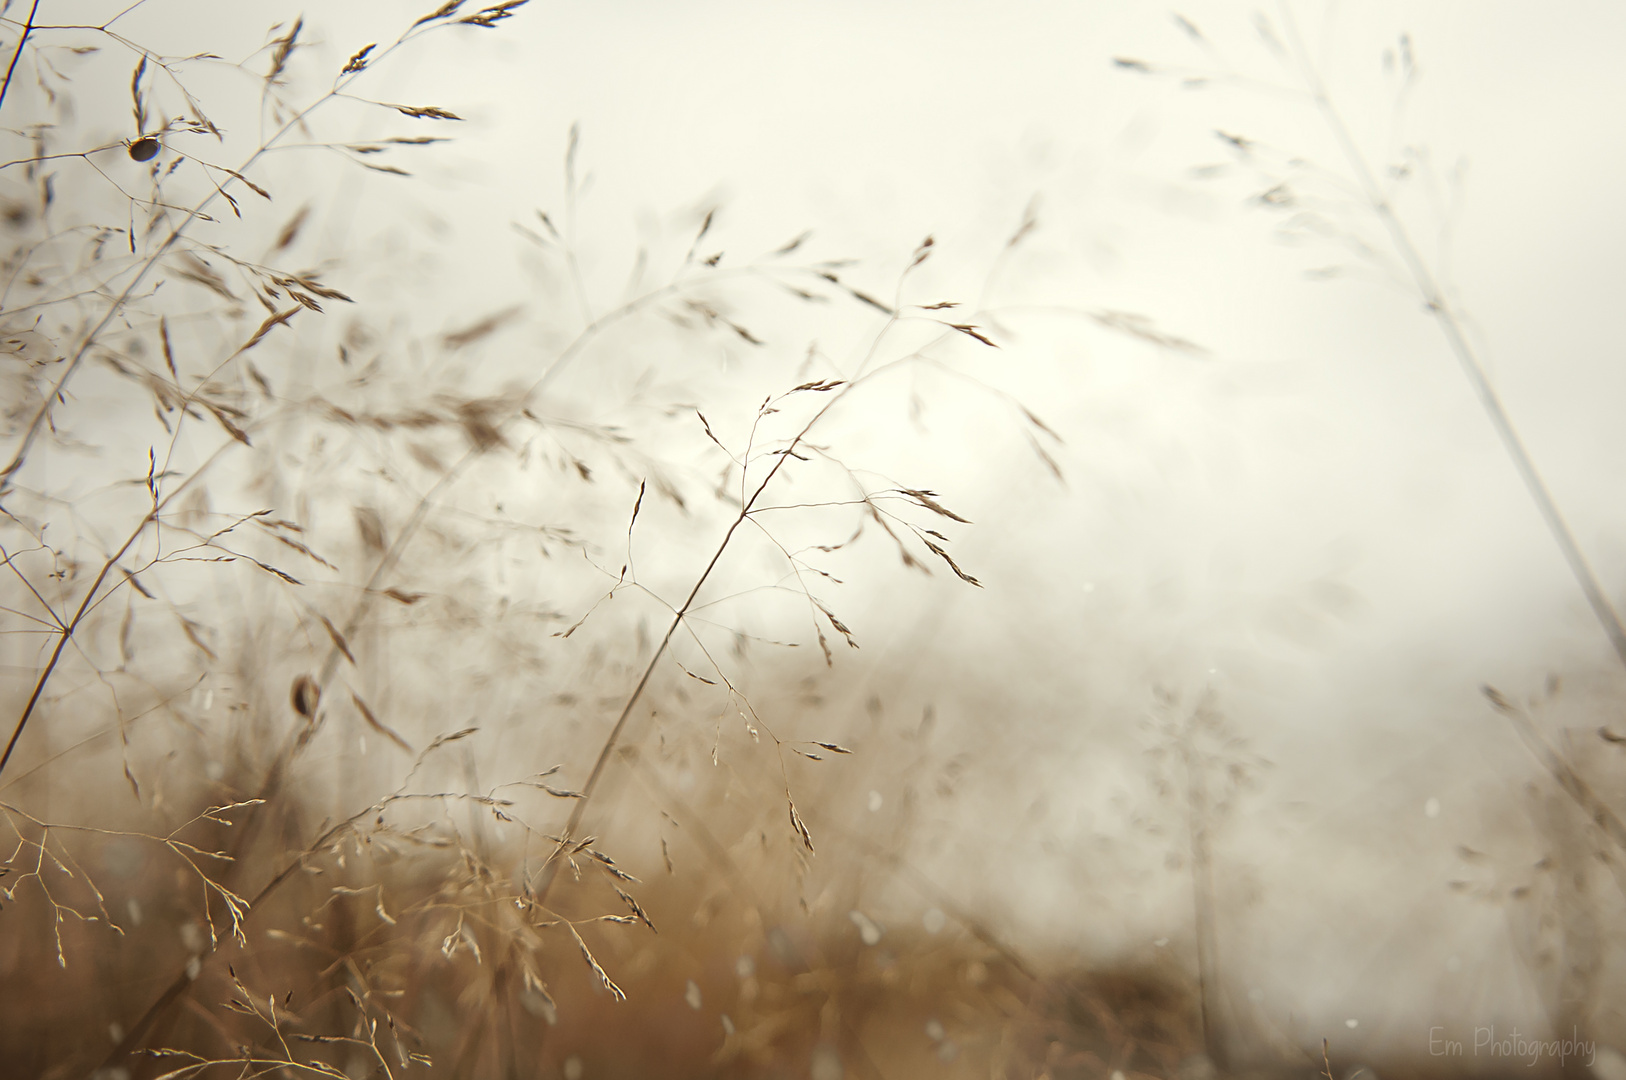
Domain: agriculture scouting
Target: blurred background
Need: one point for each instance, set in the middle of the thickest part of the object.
(1249, 549)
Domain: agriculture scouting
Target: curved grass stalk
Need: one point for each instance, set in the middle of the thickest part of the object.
(1450, 324)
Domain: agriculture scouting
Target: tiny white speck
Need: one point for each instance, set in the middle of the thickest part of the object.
(875, 801)
(573, 1068)
(935, 1030)
(1352, 1023)
(191, 936)
(1431, 808)
(934, 921)
(691, 994)
(1161, 942)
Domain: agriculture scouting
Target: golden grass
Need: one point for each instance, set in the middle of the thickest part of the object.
(408, 712)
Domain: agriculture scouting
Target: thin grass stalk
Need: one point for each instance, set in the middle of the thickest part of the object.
(11, 68)
(66, 630)
(1549, 756)
(550, 872)
(1202, 894)
(1451, 326)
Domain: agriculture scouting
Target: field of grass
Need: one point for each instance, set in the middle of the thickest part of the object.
(734, 658)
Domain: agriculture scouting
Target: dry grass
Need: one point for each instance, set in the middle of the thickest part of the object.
(1362, 210)
(475, 700)
(307, 772)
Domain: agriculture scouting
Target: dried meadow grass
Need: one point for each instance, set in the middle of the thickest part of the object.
(265, 592)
